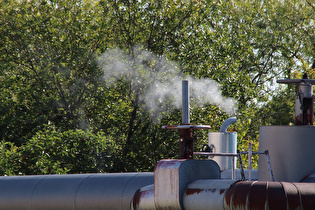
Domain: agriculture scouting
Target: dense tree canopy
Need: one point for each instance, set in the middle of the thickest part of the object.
(87, 85)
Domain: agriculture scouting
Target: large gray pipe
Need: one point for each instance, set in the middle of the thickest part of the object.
(115, 191)
(73, 192)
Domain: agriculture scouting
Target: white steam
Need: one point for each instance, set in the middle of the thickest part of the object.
(158, 81)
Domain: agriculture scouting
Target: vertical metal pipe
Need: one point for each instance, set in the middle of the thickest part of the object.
(233, 167)
(241, 164)
(250, 153)
(185, 102)
(186, 141)
(186, 144)
(269, 166)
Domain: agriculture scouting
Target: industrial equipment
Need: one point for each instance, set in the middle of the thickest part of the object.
(286, 178)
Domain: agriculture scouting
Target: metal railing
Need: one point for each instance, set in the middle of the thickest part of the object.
(238, 155)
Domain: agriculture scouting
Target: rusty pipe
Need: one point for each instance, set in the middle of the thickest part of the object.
(228, 195)
(223, 194)
(270, 195)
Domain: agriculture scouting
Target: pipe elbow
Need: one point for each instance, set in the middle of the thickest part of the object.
(227, 123)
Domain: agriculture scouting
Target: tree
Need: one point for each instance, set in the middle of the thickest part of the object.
(48, 67)
(72, 151)
(90, 65)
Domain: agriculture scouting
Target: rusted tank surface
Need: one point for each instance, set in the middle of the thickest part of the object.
(73, 192)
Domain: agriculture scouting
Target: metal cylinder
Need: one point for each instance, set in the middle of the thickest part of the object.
(304, 100)
(227, 195)
(291, 150)
(80, 191)
(206, 194)
(304, 104)
(223, 142)
(185, 102)
(270, 195)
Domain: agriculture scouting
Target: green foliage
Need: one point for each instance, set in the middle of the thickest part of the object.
(10, 159)
(61, 114)
(47, 65)
(72, 151)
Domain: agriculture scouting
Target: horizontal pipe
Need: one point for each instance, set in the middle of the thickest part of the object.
(144, 199)
(206, 194)
(136, 191)
(73, 192)
(228, 195)
(270, 195)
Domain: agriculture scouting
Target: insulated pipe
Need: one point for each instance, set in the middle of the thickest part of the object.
(206, 194)
(226, 195)
(73, 192)
(270, 195)
(185, 102)
(227, 123)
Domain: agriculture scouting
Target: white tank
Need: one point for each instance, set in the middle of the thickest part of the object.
(223, 142)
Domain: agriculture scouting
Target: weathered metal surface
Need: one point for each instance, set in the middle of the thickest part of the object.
(270, 195)
(171, 178)
(304, 108)
(206, 194)
(296, 81)
(186, 127)
(167, 188)
(144, 199)
(186, 139)
(80, 191)
(186, 144)
(291, 150)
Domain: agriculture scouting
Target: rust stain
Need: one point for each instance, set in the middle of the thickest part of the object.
(292, 195)
(240, 197)
(257, 196)
(168, 164)
(193, 191)
(136, 199)
(270, 195)
(276, 196)
(229, 193)
(307, 194)
(222, 191)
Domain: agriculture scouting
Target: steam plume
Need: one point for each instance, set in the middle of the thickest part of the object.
(157, 81)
